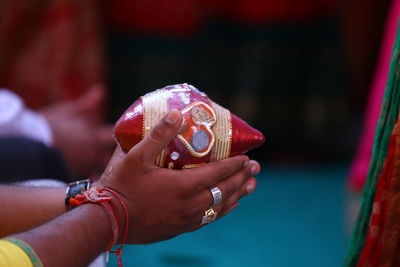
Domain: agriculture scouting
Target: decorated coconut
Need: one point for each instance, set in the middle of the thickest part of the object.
(209, 132)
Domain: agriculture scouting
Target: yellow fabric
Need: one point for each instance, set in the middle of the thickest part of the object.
(12, 255)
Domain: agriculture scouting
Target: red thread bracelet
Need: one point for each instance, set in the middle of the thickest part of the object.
(97, 196)
(118, 252)
(114, 220)
(92, 195)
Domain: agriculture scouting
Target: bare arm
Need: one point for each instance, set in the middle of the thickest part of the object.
(73, 239)
(160, 203)
(25, 207)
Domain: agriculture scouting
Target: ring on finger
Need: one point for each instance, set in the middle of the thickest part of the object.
(217, 196)
(209, 216)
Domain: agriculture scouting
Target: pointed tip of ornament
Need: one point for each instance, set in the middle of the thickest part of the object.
(244, 137)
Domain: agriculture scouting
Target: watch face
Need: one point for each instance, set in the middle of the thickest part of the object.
(77, 188)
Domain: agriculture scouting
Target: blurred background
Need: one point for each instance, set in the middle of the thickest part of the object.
(298, 70)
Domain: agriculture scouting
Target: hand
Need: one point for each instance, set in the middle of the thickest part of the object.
(84, 141)
(163, 203)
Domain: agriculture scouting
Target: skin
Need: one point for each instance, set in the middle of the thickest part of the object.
(161, 203)
(42, 205)
(85, 154)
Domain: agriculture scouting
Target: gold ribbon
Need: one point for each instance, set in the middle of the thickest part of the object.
(223, 133)
(155, 107)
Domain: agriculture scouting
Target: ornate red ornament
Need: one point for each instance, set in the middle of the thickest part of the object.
(209, 132)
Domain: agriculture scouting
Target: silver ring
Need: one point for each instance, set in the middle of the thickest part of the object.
(209, 216)
(217, 196)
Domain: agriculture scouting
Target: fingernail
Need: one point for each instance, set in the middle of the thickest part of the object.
(246, 163)
(253, 170)
(172, 118)
(250, 188)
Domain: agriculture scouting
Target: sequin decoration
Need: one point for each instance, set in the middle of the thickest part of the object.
(174, 155)
(200, 140)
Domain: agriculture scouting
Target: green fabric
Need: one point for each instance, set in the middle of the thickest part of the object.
(387, 120)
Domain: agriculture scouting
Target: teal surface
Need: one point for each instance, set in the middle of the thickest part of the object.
(294, 218)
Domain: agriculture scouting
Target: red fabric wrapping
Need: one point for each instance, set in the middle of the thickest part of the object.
(373, 248)
(382, 242)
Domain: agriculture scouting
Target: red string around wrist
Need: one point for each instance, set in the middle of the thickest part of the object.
(115, 222)
(118, 251)
(97, 196)
(92, 195)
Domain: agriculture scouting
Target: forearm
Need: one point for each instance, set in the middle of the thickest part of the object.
(23, 208)
(73, 239)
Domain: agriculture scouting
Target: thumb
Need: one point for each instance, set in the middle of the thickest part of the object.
(161, 135)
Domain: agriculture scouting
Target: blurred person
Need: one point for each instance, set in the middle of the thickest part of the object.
(79, 133)
(52, 55)
(152, 203)
(50, 51)
(73, 128)
(376, 234)
(360, 164)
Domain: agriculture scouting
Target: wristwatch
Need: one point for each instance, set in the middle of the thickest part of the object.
(74, 189)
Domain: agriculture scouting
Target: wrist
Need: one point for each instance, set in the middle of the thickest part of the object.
(113, 204)
(119, 226)
(118, 204)
(96, 215)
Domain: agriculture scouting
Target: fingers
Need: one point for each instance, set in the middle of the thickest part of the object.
(105, 141)
(212, 173)
(90, 103)
(229, 205)
(232, 202)
(104, 135)
(152, 145)
(233, 189)
(232, 185)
